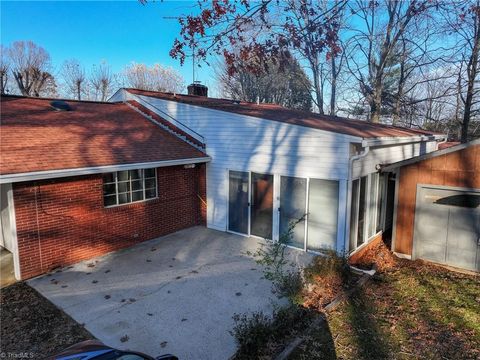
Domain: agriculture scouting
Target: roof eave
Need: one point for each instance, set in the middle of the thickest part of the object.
(429, 155)
(61, 173)
(378, 141)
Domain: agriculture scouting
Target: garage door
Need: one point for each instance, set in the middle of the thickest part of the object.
(447, 227)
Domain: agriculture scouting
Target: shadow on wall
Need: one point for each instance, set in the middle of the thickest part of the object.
(64, 221)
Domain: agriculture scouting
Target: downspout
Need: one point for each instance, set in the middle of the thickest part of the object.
(441, 142)
(366, 150)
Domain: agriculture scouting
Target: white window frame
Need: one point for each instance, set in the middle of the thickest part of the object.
(369, 206)
(117, 193)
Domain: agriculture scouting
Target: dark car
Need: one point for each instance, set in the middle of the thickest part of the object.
(96, 350)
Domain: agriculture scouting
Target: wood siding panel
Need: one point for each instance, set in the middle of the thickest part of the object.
(457, 169)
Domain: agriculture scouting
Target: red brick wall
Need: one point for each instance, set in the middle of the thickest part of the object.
(458, 169)
(63, 221)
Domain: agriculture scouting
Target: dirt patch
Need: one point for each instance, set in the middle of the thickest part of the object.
(32, 325)
(327, 277)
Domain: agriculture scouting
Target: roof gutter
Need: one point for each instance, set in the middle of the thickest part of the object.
(401, 140)
(53, 174)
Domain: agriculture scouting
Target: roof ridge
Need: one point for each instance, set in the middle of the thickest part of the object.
(57, 99)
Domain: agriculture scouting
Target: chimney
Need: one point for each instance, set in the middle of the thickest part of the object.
(196, 88)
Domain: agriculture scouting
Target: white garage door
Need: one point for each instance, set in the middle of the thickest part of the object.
(447, 227)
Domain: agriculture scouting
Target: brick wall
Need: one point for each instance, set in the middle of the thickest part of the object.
(63, 221)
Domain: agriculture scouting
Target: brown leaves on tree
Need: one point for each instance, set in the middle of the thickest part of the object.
(241, 30)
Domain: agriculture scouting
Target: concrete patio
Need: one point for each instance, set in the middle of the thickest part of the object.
(175, 294)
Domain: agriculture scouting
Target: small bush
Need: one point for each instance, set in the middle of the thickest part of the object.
(329, 265)
(251, 333)
(257, 333)
(290, 285)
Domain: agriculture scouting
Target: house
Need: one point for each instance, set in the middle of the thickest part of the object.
(272, 166)
(437, 214)
(79, 179)
(84, 178)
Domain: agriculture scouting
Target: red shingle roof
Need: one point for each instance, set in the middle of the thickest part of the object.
(35, 137)
(274, 112)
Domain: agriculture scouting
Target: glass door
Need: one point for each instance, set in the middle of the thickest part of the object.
(238, 203)
(262, 205)
(322, 214)
(292, 210)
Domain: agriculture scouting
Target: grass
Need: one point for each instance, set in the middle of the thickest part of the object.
(32, 327)
(414, 311)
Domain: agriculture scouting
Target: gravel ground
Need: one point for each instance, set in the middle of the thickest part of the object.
(32, 327)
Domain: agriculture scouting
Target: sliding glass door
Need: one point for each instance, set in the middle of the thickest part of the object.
(262, 205)
(307, 209)
(322, 214)
(238, 202)
(293, 205)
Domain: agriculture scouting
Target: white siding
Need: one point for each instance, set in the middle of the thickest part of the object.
(245, 143)
(388, 155)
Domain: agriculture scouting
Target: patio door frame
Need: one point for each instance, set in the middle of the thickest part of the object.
(249, 203)
(276, 205)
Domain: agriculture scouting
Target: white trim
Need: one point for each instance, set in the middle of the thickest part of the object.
(13, 229)
(198, 137)
(401, 140)
(430, 155)
(395, 206)
(117, 193)
(403, 256)
(52, 174)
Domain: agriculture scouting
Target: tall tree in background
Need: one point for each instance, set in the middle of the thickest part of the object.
(263, 30)
(102, 81)
(384, 26)
(4, 69)
(74, 78)
(155, 78)
(31, 68)
(287, 85)
(463, 22)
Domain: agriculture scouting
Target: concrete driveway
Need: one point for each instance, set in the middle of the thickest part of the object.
(176, 294)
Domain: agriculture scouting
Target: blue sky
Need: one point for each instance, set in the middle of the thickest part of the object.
(118, 32)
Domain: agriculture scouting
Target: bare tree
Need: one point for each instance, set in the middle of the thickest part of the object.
(464, 22)
(30, 67)
(102, 81)
(288, 85)
(4, 69)
(384, 26)
(156, 78)
(74, 78)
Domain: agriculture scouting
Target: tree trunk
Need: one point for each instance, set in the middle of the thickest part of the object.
(317, 88)
(376, 101)
(333, 94)
(472, 70)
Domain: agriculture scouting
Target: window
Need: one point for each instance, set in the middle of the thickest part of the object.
(123, 187)
(372, 210)
(365, 208)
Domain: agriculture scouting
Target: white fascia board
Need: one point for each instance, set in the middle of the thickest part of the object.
(401, 140)
(54, 174)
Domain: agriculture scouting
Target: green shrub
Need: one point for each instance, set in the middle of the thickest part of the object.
(290, 285)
